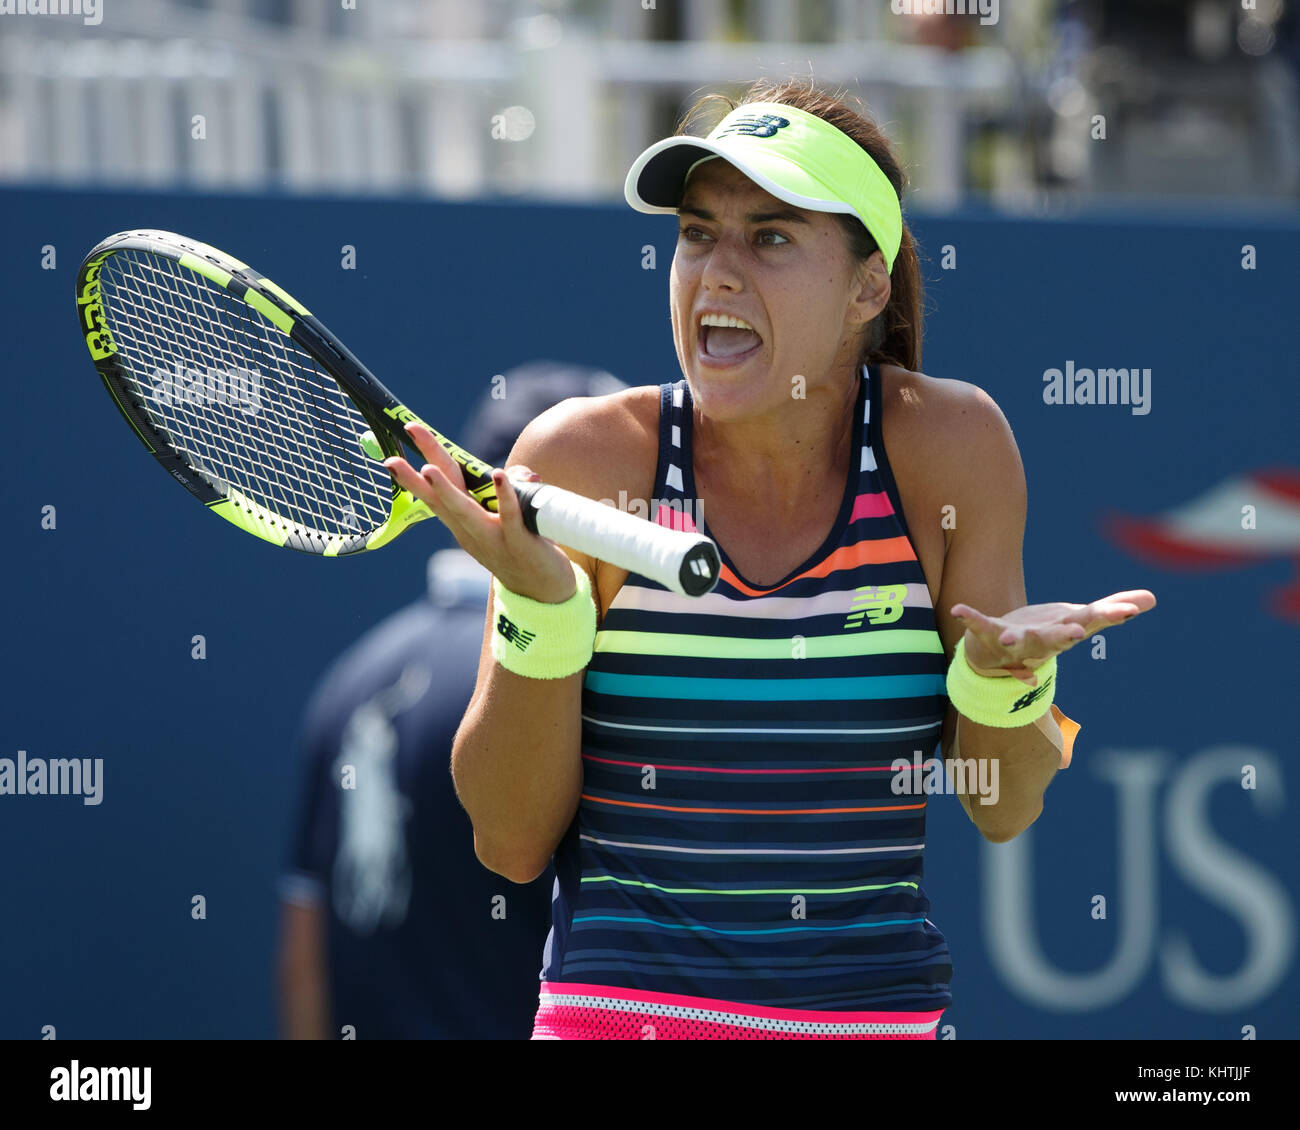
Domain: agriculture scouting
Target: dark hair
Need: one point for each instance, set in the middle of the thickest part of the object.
(895, 334)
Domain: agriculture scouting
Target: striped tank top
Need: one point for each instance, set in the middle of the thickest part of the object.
(739, 865)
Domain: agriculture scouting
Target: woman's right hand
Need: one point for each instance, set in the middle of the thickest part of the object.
(523, 562)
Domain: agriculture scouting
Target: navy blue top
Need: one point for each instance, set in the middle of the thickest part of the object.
(740, 837)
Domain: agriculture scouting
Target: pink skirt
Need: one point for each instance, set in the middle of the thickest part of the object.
(598, 1012)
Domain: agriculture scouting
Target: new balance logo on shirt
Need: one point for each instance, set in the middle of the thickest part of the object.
(879, 604)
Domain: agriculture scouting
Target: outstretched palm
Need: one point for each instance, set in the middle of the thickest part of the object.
(1025, 638)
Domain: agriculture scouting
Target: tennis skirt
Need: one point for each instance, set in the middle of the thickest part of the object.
(598, 1012)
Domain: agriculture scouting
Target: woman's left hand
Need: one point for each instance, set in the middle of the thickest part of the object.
(1016, 643)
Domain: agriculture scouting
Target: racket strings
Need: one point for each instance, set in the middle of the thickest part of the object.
(212, 450)
(304, 417)
(239, 400)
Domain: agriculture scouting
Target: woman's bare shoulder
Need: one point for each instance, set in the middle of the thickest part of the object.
(929, 412)
(596, 445)
(917, 395)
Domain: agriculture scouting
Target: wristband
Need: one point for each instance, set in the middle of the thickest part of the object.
(540, 640)
(994, 701)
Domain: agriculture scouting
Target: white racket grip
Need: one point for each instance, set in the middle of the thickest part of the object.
(685, 563)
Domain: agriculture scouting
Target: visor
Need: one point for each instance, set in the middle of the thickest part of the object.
(794, 155)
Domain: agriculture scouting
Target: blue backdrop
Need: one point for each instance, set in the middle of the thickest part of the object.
(1198, 872)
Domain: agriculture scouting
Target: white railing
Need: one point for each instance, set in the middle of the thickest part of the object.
(409, 97)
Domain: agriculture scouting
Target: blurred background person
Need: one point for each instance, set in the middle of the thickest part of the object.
(1176, 98)
(390, 926)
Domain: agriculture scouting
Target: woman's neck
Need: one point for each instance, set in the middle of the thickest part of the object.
(787, 457)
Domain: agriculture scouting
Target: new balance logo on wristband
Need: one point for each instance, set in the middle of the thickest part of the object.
(1032, 697)
(513, 633)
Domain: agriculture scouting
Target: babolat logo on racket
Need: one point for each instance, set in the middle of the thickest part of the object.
(474, 466)
(402, 414)
(98, 337)
(757, 125)
(1032, 697)
(513, 633)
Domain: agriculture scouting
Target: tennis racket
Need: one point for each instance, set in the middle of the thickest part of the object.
(263, 415)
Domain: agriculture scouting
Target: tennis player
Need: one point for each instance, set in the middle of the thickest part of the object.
(714, 777)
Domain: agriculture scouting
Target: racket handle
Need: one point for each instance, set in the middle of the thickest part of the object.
(685, 563)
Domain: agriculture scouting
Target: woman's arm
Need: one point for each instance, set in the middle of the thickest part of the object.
(983, 567)
(301, 972)
(517, 759)
(517, 765)
(983, 581)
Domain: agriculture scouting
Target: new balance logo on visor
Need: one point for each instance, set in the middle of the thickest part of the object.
(757, 125)
(1031, 697)
(513, 633)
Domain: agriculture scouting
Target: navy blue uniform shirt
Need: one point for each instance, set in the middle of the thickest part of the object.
(423, 941)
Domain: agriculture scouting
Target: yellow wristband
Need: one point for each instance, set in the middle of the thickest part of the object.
(991, 700)
(540, 640)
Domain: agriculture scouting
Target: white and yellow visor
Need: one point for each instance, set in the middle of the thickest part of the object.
(794, 155)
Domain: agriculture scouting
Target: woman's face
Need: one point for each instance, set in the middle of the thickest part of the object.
(786, 273)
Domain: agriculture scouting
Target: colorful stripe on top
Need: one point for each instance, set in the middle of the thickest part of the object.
(739, 849)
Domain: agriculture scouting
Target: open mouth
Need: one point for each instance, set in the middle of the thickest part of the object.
(726, 340)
